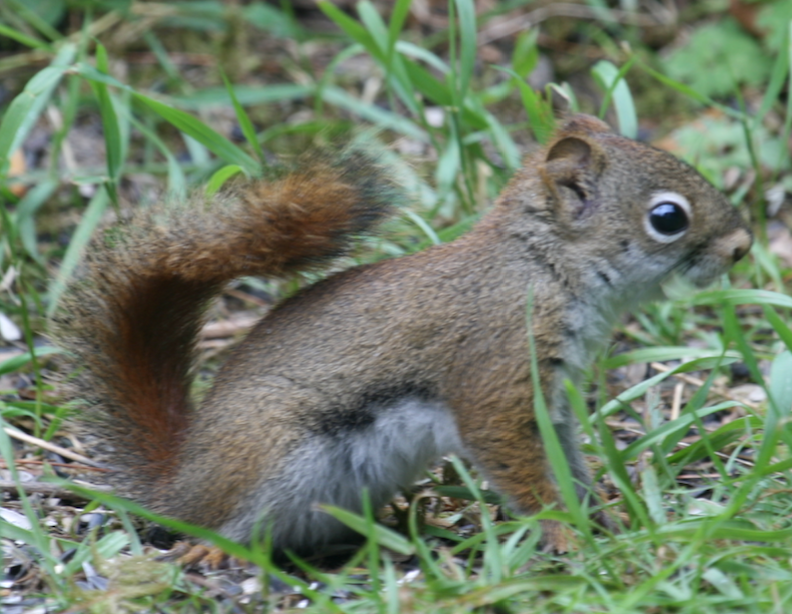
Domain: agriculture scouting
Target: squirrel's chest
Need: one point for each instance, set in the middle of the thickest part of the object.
(591, 314)
(577, 333)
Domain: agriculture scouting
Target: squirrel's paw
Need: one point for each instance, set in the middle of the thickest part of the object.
(557, 537)
(190, 555)
(611, 521)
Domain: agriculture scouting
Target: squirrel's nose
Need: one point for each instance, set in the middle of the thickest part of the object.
(734, 245)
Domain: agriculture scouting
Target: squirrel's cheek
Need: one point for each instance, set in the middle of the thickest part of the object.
(706, 269)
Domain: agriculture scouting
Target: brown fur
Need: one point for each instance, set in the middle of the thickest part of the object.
(321, 398)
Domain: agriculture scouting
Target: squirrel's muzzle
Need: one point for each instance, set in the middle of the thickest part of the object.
(734, 245)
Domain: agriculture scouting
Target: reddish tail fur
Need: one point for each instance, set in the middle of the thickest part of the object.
(132, 321)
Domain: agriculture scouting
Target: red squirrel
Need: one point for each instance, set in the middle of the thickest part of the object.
(363, 379)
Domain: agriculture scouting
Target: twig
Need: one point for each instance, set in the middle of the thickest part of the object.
(676, 403)
(180, 59)
(230, 327)
(507, 27)
(30, 461)
(42, 488)
(46, 445)
(246, 296)
(680, 444)
(689, 379)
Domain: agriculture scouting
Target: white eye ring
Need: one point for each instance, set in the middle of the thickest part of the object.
(654, 220)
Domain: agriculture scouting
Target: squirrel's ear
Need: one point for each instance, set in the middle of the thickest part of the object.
(571, 168)
(570, 150)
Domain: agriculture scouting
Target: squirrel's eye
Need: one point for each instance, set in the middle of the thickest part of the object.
(668, 217)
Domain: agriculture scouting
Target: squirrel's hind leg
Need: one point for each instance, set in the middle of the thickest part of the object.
(336, 468)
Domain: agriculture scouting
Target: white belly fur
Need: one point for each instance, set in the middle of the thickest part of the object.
(382, 457)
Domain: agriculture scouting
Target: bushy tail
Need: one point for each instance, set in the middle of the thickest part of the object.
(131, 322)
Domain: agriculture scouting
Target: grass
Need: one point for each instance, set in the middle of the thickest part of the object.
(697, 474)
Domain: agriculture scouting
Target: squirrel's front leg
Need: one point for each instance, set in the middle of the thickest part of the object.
(566, 429)
(501, 436)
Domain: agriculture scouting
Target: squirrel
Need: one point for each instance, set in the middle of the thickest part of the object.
(362, 379)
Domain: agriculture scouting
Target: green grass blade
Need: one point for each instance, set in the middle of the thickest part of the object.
(199, 154)
(555, 453)
(393, 65)
(675, 430)
(722, 437)
(618, 472)
(219, 178)
(35, 535)
(540, 112)
(606, 450)
(17, 362)
(777, 79)
(382, 118)
(423, 225)
(244, 122)
(567, 93)
(216, 143)
(247, 95)
(662, 354)
(640, 389)
(503, 141)
(774, 416)
(466, 12)
(82, 235)
(107, 547)
(25, 217)
(24, 111)
(189, 125)
(353, 29)
(784, 332)
(693, 408)
(411, 50)
(397, 18)
(742, 297)
(489, 533)
(728, 530)
(230, 547)
(161, 53)
(375, 27)
(690, 92)
(423, 81)
(449, 164)
(112, 132)
(177, 183)
(23, 39)
(611, 80)
(525, 56)
(653, 496)
(32, 17)
(379, 533)
(781, 382)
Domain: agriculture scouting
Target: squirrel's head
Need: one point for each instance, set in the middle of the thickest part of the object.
(648, 213)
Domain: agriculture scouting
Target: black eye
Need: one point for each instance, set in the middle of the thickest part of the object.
(668, 218)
